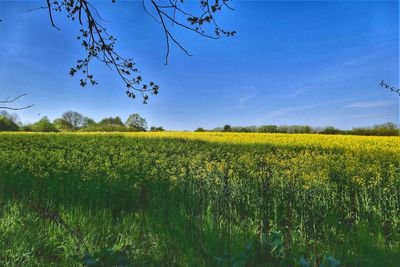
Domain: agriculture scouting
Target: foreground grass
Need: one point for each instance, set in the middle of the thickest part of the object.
(187, 199)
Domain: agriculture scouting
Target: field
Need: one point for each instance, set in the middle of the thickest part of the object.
(199, 199)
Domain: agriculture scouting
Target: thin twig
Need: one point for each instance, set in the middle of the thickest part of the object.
(51, 15)
(11, 108)
(11, 100)
(8, 100)
(151, 15)
(38, 8)
(391, 88)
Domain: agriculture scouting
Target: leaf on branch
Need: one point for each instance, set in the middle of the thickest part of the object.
(391, 88)
(100, 45)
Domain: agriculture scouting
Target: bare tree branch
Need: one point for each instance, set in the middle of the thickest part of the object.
(191, 22)
(9, 100)
(151, 15)
(21, 108)
(12, 100)
(38, 8)
(391, 88)
(51, 14)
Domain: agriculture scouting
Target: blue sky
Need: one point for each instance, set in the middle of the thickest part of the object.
(317, 63)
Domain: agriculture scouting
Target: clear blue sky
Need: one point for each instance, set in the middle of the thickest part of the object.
(315, 63)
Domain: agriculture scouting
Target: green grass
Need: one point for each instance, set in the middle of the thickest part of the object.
(181, 202)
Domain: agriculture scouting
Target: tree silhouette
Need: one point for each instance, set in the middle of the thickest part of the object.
(227, 128)
(8, 122)
(136, 123)
(73, 118)
(100, 45)
(110, 121)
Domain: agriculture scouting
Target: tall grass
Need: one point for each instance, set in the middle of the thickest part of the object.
(199, 200)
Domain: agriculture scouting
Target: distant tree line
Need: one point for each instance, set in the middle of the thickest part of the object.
(75, 121)
(386, 129)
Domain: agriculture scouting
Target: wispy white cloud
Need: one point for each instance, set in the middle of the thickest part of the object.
(285, 111)
(331, 75)
(243, 100)
(370, 104)
(302, 89)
